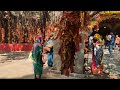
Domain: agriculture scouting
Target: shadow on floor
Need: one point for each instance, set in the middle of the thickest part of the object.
(31, 76)
(15, 55)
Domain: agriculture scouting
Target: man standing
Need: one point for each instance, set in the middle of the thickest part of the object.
(111, 43)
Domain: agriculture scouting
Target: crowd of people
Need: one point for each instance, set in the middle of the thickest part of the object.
(95, 43)
(113, 40)
(43, 51)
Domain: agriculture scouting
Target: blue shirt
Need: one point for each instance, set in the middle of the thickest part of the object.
(112, 40)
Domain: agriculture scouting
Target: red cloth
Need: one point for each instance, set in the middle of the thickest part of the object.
(15, 47)
(96, 70)
(94, 65)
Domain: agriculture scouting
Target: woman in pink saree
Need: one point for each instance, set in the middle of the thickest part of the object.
(97, 54)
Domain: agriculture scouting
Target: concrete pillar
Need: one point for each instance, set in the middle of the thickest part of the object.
(79, 58)
(56, 57)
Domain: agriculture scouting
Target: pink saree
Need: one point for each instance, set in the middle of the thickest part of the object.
(96, 70)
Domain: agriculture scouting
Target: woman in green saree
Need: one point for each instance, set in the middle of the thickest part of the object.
(37, 58)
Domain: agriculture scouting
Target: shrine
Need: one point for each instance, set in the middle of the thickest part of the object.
(108, 21)
(19, 29)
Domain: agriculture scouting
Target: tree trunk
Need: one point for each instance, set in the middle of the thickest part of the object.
(6, 30)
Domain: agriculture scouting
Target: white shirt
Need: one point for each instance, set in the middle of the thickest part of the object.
(90, 40)
(109, 37)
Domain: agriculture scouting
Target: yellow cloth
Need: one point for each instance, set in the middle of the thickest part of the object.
(97, 36)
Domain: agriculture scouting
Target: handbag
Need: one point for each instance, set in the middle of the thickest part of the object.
(30, 57)
(44, 58)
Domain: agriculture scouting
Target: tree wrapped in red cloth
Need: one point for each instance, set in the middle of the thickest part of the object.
(70, 39)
